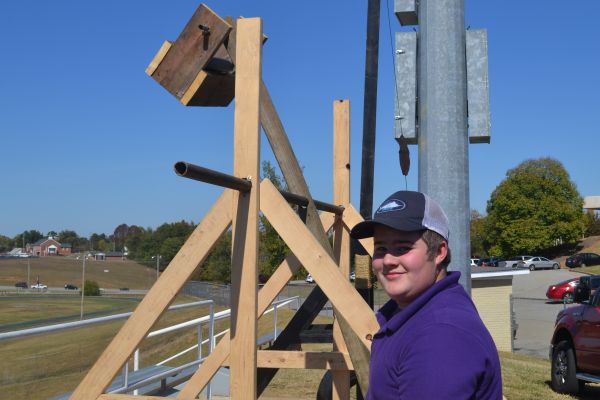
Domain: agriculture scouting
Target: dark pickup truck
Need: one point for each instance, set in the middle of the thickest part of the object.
(575, 346)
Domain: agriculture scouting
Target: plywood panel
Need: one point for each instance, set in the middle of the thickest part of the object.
(191, 51)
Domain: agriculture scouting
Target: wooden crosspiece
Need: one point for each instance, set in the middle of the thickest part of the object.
(355, 322)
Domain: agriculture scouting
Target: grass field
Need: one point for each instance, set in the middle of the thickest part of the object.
(58, 271)
(44, 366)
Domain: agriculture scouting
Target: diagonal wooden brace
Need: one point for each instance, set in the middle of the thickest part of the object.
(157, 300)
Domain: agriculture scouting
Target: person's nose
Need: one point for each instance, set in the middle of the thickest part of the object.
(389, 260)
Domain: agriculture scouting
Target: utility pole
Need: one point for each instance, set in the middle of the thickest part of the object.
(82, 287)
(157, 264)
(442, 105)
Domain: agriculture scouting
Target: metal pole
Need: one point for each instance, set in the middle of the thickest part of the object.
(28, 270)
(211, 344)
(82, 287)
(136, 366)
(443, 135)
(274, 321)
(157, 265)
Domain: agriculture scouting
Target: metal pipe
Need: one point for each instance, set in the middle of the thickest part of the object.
(202, 174)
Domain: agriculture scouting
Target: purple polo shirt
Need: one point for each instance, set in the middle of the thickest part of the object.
(435, 348)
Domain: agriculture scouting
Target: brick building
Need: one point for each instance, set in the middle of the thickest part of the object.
(48, 247)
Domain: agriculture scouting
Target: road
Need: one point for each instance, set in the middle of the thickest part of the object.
(534, 313)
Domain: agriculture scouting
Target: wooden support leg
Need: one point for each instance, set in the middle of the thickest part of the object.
(193, 252)
(341, 196)
(244, 264)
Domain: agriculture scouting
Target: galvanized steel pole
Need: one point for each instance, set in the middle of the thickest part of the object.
(443, 136)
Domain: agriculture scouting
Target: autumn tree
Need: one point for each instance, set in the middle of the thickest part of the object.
(536, 206)
(479, 237)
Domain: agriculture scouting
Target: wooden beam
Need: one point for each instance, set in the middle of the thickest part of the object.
(244, 260)
(157, 300)
(332, 360)
(266, 295)
(315, 259)
(351, 217)
(341, 196)
(158, 57)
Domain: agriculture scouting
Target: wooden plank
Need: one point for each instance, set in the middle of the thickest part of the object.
(315, 259)
(209, 88)
(267, 294)
(351, 217)
(191, 51)
(157, 300)
(244, 261)
(341, 196)
(335, 360)
(158, 57)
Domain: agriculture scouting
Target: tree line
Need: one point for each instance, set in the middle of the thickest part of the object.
(535, 209)
(144, 245)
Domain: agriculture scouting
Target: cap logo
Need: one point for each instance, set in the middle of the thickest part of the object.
(391, 205)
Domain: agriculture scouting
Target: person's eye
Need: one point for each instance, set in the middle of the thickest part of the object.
(402, 250)
(379, 251)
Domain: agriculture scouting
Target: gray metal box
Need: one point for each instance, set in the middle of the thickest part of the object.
(406, 12)
(406, 74)
(478, 98)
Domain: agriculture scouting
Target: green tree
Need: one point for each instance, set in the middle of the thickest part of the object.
(479, 237)
(91, 288)
(593, 223)
(217, 266)
(272, 250)
(536, 206)
(71, 237)
(30, 236)
(6, 243)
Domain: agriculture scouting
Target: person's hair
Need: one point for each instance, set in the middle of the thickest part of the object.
(433, 241)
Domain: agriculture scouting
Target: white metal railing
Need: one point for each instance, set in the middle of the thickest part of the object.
(42, 330)
(162, 376)
(211, 318)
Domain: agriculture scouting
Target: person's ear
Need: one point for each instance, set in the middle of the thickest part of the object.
(441, 253)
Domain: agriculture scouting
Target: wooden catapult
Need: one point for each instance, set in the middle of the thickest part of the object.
(212, 59)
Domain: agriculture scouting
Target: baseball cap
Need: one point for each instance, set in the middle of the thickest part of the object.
(406, 211)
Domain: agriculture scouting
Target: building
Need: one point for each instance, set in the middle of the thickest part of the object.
(48, 247)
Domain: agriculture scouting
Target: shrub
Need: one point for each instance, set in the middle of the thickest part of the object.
(91, 288)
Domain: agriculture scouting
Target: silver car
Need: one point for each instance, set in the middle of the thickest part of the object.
(538, 263)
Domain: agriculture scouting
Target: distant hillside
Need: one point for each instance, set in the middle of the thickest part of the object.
(58, 271)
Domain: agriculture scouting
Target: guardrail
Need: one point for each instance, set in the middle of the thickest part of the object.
(163, 375)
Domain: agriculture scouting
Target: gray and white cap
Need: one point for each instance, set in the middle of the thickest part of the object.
(406, 211)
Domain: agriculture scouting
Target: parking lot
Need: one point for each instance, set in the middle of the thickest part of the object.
(533, 312)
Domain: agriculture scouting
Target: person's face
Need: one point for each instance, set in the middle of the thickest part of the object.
(402, 266)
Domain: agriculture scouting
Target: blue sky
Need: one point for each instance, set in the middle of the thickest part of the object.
(89, 141)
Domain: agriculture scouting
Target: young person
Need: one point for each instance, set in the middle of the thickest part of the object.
(432, 343)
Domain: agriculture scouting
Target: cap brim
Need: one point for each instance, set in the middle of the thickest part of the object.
(366, 229)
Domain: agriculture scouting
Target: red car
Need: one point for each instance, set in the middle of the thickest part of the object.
(562, 290)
